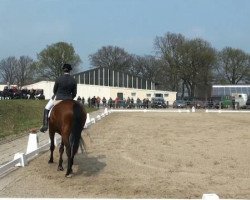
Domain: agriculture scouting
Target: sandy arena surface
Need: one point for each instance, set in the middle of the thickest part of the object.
(148, 155)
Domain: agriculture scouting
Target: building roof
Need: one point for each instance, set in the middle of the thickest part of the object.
(106, 77)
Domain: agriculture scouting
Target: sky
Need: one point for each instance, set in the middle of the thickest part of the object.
(29, 26)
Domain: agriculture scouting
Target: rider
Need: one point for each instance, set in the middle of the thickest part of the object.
(65, 87)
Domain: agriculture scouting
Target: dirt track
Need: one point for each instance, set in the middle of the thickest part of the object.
(148, 155)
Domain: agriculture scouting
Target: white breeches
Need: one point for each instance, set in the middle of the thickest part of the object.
(50, 104)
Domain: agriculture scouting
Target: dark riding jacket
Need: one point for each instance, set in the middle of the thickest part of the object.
(65, 87)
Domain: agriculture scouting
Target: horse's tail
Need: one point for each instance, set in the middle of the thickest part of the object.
(75, 136)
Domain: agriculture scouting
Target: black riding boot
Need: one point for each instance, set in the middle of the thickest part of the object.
(45, 121)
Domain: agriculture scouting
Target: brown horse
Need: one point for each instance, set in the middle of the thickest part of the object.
(68, 119)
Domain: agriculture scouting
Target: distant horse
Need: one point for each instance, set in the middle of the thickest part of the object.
(68, 119)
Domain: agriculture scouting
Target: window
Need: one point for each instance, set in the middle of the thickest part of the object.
(248, 89)
(233, 90)
(239, 89)
(215, 91)
(133, 94)
(227, 91)
(91, 81)
(221, 91)
(139, 83)
(106, 75)
(101, 76)
(143, 84)
(130, 81)
(116, 78)
(125, 80)
(111, 78)
(96, 77)
(244, 90)
(134, 81)
(149, 85)
(87, 78)
(121, 79)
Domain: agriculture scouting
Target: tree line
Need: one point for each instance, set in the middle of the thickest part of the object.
(188, 66)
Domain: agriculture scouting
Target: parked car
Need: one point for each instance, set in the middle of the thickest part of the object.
(198, 104)
(158, 102)
(209, 104)
(180, 104)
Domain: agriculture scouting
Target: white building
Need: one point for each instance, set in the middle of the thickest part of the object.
(107, 83)
(86, 91)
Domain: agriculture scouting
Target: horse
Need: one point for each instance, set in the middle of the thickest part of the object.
(67, 118)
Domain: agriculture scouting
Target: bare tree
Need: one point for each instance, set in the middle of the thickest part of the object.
(25, 71)
(144, 66)
(185, 64)
(233, 65)
(8, 68)
(168, 50)
(197, 62)
(112, 57)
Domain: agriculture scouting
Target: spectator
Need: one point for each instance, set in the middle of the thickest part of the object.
(138, 102)
(128, 102)
(104, 101)
(98, 100)
(93, 101)
(110, 102)
(79, 99)
(132, 103)
(39, 95)
(117, 102)
(32, 94)
(147, 103)
(89, 102)
(83, 101)
(123, 103)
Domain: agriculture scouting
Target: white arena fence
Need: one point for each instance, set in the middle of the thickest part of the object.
(22, 159)
(226, 111)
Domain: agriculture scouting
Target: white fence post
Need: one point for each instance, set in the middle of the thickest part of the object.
(87, 121)
(106, 111)
(210, 197)
(92, 120)
(193, 109)
(98, 117)
(22, 158)
(32, 143)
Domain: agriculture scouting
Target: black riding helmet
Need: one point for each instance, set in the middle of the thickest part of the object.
(66, 67)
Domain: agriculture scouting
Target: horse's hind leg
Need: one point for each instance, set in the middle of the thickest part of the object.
(52, 146)
(61, 150)
(69, 172)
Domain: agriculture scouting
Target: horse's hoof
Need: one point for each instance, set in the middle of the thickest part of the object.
(60, 168)
(69, 175)
(50, 161)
